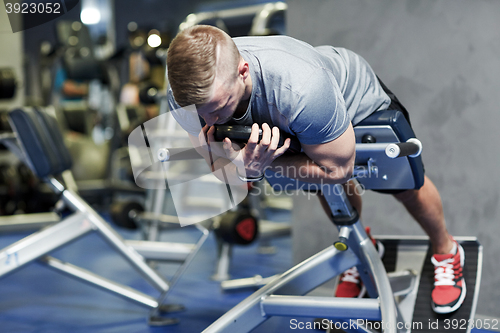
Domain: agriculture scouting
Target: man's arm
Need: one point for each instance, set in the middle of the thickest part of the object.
(229, 162)
(221, 167)
(331, 162)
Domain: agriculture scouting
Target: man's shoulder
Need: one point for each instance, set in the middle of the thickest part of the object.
(274, 47)
(264, 41)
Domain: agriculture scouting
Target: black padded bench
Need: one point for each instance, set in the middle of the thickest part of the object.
(41, 140)
(373, 134)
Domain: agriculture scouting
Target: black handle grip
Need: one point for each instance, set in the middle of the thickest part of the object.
(241, 134)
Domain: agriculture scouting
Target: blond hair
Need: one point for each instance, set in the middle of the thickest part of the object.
(193, 60)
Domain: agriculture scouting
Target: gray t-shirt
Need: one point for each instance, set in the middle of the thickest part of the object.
(309, 92)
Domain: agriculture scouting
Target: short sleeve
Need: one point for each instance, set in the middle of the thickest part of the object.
(320, 111)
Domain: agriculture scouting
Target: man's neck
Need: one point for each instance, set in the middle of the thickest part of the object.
(241, 109)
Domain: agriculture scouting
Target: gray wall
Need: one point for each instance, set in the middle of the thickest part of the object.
(441, 58)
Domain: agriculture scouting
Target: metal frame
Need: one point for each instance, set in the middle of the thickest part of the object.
(284, 294)
(26, 222)
(275, 299)
(268, 231)
(261, 14)
(80, 223)
(154, 220)
(84, 219)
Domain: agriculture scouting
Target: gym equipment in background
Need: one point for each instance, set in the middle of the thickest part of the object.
(256, 20)
(7, 83)
(38, 142)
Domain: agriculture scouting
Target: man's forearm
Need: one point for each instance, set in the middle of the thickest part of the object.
(225, 170)
(296, 166)
(301, 167)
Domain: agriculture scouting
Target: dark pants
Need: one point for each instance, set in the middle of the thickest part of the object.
(395, 105)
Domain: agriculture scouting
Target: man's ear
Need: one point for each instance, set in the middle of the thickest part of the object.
(243, 68)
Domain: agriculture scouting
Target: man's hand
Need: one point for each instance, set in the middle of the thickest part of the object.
(257, 156)
(208, 142)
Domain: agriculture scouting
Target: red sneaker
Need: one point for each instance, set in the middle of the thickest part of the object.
(449, 284)
(350, 285)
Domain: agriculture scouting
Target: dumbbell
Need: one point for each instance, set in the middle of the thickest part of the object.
(238, 227)
(122, 213)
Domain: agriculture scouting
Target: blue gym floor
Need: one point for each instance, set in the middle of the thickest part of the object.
(37, 299)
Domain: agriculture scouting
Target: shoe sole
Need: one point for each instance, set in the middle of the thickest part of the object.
(449, 309)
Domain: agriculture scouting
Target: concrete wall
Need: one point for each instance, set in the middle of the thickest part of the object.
(441, 58)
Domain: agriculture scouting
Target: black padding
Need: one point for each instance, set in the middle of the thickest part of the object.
(41, 140)
(50, 126)
(403, 131)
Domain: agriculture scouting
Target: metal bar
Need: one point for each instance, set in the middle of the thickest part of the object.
(162, 250)
(268, 230)
(187, 262)
(371, 147)
(167, 221)
(223, 259)
(150, 217)
(115, 240)
(158, 196)
(402, 282)
(321, 307)
(299, 280)
(42, 242)
(252, 282)
(388, 308)
(261, 20)
(356, 236)
(98, 281)
(337, 200)
(374, 276)
(24, 222)
(422, 238)
(195, 18)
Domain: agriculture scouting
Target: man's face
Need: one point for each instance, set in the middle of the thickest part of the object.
(223, 104)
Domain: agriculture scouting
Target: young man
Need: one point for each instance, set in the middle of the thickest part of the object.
(316, 94)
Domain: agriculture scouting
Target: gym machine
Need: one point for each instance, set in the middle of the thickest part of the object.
(234, 226)
(37, 141)
(387, 157)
